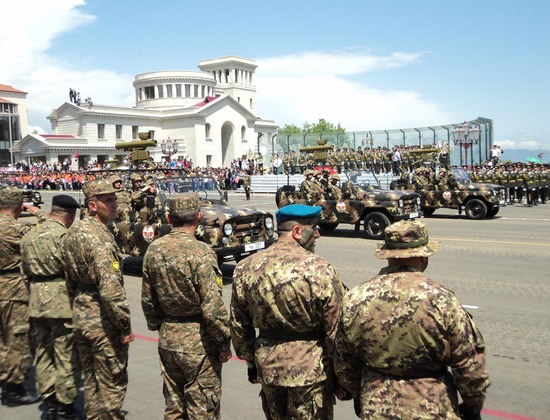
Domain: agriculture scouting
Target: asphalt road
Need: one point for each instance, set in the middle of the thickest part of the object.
(500, 268)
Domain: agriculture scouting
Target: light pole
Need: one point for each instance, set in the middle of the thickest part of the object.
(465, 136)
(169, 147)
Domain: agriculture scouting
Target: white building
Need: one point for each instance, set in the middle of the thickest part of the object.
(210, 113)
(13, 120)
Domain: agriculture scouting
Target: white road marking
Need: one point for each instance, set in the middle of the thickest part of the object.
(470, 307)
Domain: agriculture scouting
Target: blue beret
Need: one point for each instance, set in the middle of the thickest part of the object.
(296, 212)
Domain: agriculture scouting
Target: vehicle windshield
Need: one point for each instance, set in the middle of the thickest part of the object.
(205, 186)
(366, 179)
(461, 175)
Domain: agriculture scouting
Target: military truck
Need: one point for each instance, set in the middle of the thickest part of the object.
(362, 204)
(455, 190)
(233, 234)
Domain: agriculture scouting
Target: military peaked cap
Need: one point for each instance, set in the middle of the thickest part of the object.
(183, 203)
(98, 187)
(406, 239)
(11, 195)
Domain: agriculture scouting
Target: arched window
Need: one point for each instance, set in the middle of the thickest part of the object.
(243, 133)
(207, 130)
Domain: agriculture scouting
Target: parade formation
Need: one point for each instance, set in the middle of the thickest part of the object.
(306, 338)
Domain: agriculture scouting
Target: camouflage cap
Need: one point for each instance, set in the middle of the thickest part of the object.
(406, 239)
(11, 195)
(115, 178)
(334, 176)
(308, 172)
(183, 203)
(98, 187)
(316, 172)
(136, 177)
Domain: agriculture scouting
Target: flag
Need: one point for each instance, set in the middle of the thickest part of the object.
(76, 155)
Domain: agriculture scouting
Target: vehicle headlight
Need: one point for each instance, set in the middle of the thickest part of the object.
(401, 202)
(268, 222)
(37, 196)
(227, 229)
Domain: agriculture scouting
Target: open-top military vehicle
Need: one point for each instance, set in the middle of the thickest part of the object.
(233, 234)
(452, 188)
(357, 203)
(30, 197)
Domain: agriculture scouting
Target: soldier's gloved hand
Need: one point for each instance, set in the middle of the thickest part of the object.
(469, 414)
(252, 374)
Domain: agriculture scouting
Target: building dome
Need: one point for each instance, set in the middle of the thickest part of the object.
(172, 88)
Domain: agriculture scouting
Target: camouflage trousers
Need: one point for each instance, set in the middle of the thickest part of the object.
(15, 347)
(311, 402)
(192, 385)
(57, 366)
(104, 362)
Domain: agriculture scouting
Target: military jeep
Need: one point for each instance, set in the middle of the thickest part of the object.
(30, 197)
(233, 234)
(477, 200)
(361, 204)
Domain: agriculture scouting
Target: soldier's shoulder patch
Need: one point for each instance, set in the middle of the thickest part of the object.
(115, 265)
(219, 280)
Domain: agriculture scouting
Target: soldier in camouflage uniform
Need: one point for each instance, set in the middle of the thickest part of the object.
(101, 314)
(399, 334)
(15, 349)
(182, 299)
(125, 218)
(57, 369)
(293, 297)
(246, 185)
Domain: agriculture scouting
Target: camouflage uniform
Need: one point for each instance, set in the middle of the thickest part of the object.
(57, 369)
(246, 185)
(124, 221)
(293, 297)
(398, 334)
(181, 297)
(101, 314)
(15, 350)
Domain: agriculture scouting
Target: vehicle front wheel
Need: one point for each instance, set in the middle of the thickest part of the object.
(493, 212)
(374, 225)
(428, 211)
(328, 226)
(475, 209)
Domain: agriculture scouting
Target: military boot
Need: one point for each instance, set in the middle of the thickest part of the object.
(15, 395)
(52, 405)
(66, 412)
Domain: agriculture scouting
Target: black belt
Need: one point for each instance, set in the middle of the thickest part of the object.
(10, 271)
(87, 288)
(433, 375)
(47, 278)
(183, 319)
(280, 335)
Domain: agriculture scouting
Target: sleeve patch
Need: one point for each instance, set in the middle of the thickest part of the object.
(115, 265)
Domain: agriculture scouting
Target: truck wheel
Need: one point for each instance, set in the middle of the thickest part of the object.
(328, 226)
(493, 212)
(374, 225)
(428, 211)
(475, 209)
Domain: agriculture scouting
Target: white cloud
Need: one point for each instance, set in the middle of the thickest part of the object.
(298, 88)
(26, 37)
(519, 144)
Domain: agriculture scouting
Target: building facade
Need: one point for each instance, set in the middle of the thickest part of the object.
(209, 113)
(13, 121)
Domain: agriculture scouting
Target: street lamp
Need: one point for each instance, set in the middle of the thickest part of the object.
(465, 136)
(169, 147)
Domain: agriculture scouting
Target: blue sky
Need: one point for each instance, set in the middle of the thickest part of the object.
(364, 64)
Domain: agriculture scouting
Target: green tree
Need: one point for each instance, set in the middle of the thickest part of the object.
(322, 127)
(290, 129)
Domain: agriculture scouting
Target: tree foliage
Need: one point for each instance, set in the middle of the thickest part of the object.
(322, 127)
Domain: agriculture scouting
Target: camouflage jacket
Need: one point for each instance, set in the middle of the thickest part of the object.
(91, 261)
(401, 325)
(287, 289)
(12, 286)
(181, 279)
(42, 268)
